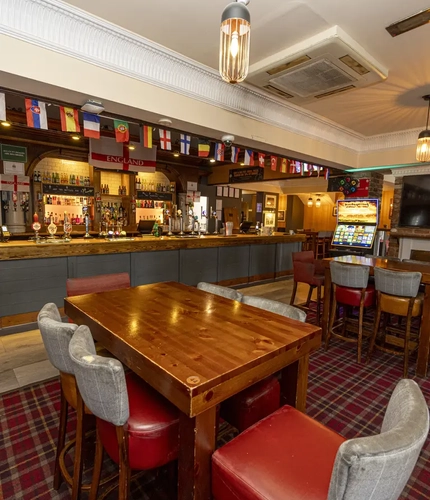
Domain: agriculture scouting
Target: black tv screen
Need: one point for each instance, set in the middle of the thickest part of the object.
(415, 202)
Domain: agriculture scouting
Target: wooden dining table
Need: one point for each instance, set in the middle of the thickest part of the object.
(424, 343)
(198, 349)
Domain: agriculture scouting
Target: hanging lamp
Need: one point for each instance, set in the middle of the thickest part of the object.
(235, 42)
(318, 201)
(423, 144)
(310, 202)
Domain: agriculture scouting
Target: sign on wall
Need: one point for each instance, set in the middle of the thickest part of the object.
(13, 153)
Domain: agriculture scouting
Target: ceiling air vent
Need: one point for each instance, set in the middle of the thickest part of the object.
(322, 66)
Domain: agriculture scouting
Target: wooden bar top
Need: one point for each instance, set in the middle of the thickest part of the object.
(16, 250)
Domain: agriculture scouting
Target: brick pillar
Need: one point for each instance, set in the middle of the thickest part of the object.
(393, 249)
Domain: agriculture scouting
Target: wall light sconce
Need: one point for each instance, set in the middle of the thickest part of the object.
(235, 39)
(423, 144)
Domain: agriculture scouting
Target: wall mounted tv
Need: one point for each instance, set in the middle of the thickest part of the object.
(415, 201)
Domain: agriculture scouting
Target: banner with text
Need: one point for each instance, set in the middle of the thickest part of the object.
(107, 153)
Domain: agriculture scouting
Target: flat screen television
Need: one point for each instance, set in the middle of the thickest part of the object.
(354, 235)
(415, 201)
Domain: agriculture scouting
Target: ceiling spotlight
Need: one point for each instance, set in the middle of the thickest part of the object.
(242, 164)
(76, 137)
(234, 42)
(131, 147)
(5, 124)
(176, 154)
(212, 160)
(423, 144)
(310, 202)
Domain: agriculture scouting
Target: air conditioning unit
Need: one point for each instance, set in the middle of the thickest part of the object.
(321, 66)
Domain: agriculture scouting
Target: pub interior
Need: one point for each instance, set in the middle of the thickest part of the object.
(214, 284)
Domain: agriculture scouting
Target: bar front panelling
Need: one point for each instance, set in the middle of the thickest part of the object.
(153, 267)
(233, 262)
(284, 259)
(198, 264)
(94, 265)
(262, 260)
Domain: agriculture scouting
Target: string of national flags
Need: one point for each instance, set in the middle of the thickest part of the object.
(37, 118)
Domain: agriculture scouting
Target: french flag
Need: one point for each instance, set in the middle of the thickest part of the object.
(91, 125)
(36, 114)
(249, 157)
(235, 154)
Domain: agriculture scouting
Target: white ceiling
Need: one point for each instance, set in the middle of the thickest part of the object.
(191, 27)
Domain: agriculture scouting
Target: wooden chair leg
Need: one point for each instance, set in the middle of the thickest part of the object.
(78, 463)
(360, 326)
(375, 328)
(407, 337)
(61, 439)
(124, 468)
(332, 317)
(98, 461)
(319, 305)
(311, 289)
(293, 295)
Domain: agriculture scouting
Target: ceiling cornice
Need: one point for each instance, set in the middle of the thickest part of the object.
(60, 27)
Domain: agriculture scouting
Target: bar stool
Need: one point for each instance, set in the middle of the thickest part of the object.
(350, 288)
(397, 294)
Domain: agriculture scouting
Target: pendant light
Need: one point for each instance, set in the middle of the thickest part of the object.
(310, 202)
(423, 145)
(235, 42)
(318, 201)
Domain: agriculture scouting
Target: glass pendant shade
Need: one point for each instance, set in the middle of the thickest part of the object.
(310, 202)
(235, 42)
(318, 203)
(423, 144)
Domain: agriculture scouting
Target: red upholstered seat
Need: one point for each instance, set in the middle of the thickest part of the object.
(352, 296)
(94, 284)
(152, 428)
(285, 456)
(252, 404)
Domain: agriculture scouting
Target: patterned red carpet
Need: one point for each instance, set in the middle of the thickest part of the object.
(343, 395)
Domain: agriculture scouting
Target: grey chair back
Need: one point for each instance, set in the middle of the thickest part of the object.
(56, 336)
(350, 275)
(378, 467)
(222, 291)
(101, 381)
(275, 307)
(404, 284)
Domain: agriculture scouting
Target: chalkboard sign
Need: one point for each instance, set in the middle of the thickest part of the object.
(67, 190)
(153, 195)
(250, 174)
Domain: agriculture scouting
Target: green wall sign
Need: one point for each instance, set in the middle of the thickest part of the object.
(17, 154)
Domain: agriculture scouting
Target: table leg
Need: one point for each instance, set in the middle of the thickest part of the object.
(326, 306)
(424, 345)
(197, 441)
(294, 383)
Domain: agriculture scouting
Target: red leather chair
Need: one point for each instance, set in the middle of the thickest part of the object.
(94, 284)
(306, 269)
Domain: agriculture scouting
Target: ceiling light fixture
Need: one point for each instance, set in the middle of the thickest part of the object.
(318, 201)
(5, 124)
(423, 144)
(176, 154)
(131, 147)
(93, 107)
(235, 38)
(212, 160)
(310, 202)
(76, 137)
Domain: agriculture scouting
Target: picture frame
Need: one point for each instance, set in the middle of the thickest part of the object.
(225, 191)
(334, 211)
(219, 190)
(270, 201)
(269, 219)
(281, 215)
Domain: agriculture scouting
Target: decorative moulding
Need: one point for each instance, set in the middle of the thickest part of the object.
(419, 169)
(60, 27)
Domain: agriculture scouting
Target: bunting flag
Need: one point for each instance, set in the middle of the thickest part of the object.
(292, 166)
(122, 131)
(91, 125)
(147, 136)
(219, 151)
(261, 157)
(310, 169)
(318, 171)
(326, 174)
(107, 153)
(185, 141)
(203, 149)
(2, 107)
(249, 157)
(165, 140)
(302, 168)
(235, 154)
(69, 119)
(284, 165)
(273, 162)
(36, 114)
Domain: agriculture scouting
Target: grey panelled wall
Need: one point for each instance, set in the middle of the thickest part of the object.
(94, 265)
(262, 260)
(284, 258)
(198, 264)
(27, 285)
(233, 262)
(153, 267)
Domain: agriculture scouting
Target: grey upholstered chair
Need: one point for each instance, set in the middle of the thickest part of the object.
(222, 291)
(136, 426)
(275, 458)
(275, 307)
(56, 338)
(396, 294)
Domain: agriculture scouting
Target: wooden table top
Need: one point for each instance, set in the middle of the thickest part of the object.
(199, 339)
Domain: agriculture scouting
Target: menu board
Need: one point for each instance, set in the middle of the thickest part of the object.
(357, 211)
(354, 235)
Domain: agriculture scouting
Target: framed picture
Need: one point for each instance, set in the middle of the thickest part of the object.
(225, 191)
(269, 219)
(219, 190)
(281, 215)
(236, 193)
(270, 201)
(231, 192)
(334, 212)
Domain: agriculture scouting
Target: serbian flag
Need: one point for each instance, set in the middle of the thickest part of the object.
(2, 107)
(326, 174)
(185, 141)
(91, 125)
(249, 157)
(273, 162)
(219, 152)
(203, 149)
(284, 165)
(122, 131)
(147, 136)
(165, 139)
(261, 157)
(107, 153)
(235, 154)
(36, 114)
(69, 119)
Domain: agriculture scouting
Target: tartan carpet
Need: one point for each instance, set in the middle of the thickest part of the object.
(343, 395)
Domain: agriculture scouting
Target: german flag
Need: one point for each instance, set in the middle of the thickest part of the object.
(147, 136)
(204, 148)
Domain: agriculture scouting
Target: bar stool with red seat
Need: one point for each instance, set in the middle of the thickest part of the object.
(308, 270)
(138, 428)
(350, 284)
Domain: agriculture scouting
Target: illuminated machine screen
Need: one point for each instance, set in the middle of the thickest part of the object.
(357, 212)
(354, 235)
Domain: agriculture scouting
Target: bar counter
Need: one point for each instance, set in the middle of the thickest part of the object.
(32, 274)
